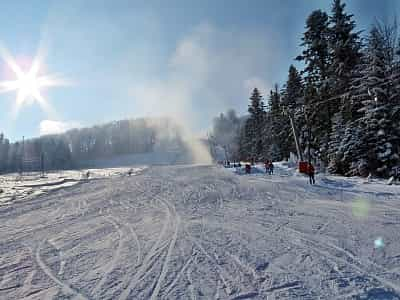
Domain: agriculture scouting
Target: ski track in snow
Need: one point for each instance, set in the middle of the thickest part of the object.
(114, 260)
(46, 269)
(200, 232)
(149, 256)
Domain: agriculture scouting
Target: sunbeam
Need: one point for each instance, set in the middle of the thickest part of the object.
(28, 84)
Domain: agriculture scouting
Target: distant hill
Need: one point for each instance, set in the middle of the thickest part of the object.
(119, 143)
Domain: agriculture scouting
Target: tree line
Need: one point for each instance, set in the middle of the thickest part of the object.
(68, 150)
(344, 105)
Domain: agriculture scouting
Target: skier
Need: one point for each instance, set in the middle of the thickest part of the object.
(271, 168)
(248, 168)
(266, 164)
(311, 173)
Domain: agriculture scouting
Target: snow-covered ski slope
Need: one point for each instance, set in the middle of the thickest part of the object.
(203, 232)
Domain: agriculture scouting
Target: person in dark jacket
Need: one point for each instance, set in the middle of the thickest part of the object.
(271, 168)
(311, 173)
(266, 164)
(248, 168)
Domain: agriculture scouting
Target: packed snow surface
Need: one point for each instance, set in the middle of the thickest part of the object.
(204, 232)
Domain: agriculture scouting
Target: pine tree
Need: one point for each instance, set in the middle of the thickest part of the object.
(292, 105)
(378, 140)
(344, 45)
(316, 53)
(317, 58)
(293, 91)
(352, 158)
(357, 93)
(251, 139)
(395, 101)
(275, 130)
(392, 44)
(335, 154)
(345, 54)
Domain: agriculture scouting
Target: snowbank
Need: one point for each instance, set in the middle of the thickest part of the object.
(14, 187)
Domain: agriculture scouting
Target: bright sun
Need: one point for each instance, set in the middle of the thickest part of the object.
(28, 84)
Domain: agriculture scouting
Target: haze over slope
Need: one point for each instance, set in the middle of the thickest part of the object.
(125, 142)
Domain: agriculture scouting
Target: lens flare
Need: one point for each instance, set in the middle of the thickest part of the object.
(28, 84)
(378, 243)
(360, 208)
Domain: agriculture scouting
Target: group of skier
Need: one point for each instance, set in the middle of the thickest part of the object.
(269, 167)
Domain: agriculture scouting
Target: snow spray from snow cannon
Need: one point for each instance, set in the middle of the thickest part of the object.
(199, 151)
(168, 127)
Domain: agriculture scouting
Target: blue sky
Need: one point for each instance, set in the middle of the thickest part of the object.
(189, 59)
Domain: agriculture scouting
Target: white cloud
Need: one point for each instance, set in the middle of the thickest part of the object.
(56, 127)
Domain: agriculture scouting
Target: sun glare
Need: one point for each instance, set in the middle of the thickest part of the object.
(28, 85)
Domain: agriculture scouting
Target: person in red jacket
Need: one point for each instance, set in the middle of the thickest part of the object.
(311, 173)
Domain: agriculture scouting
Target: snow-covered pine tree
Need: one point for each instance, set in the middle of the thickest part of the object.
(251, 146)
(275, 128)
(378, 139)
(335, 154)
(348, 157)
(292, 95)
(316, 57)
(392, 44)
(395, 101)
(357, 92)
(315, 42)
(292, 103)
(344, 47)
(352, 153)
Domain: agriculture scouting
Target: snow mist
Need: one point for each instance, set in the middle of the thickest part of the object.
(172, 128)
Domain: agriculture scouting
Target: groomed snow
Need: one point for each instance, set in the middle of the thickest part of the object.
(204, 232)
